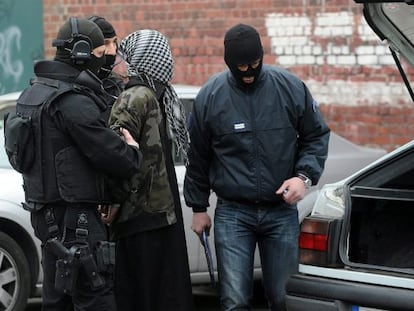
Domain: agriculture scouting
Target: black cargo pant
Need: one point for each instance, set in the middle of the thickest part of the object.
(85, 297)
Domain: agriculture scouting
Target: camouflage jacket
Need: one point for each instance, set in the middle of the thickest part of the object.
(149, 202)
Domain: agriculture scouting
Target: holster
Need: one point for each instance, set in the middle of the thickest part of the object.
(66, 276)
(66, 266)
(70, 259)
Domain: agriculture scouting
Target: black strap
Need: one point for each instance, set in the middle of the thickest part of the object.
(82, 232)
(60, 87)
(84, 84)
(52, 227)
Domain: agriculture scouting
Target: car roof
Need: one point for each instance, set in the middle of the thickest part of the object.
(186, 91)
(9, 99)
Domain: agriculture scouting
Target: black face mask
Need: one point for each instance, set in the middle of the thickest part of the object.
(109, 61)
(242, 45)
(95, 63)
(107, 67)
(250, 72)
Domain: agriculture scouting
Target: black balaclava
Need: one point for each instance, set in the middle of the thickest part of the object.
(108, 32)
(65, 41)
(242, 45)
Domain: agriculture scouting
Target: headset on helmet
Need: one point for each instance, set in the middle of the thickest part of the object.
(81, 50)
(95, 18)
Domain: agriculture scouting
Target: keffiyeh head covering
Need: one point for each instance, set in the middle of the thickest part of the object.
(148, 55)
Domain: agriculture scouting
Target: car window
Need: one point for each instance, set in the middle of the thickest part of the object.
(396, 174)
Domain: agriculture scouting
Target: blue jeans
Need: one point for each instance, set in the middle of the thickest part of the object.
(237, 230)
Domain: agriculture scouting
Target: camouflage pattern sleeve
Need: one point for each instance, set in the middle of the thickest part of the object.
(148, 191)
(133, 109)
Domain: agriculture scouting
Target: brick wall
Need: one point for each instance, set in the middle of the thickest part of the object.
(326, 43)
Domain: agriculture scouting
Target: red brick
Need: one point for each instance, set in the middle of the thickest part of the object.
(196, 30)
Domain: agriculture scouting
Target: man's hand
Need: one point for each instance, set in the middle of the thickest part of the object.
(108, 213)
(128, 137)
(292, 190)
(201, 221)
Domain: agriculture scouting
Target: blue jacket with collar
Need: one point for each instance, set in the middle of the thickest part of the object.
(246, 142)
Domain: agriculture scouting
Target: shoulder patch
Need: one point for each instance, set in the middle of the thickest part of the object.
(314, 105)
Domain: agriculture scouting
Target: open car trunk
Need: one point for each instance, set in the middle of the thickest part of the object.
(380, 217)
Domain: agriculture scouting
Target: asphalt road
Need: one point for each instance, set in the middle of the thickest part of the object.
(204, 300)
(207, 300)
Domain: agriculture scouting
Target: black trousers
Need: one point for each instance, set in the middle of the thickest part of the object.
(152, 272)
(85, 297)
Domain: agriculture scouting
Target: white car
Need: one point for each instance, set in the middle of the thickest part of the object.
(20, 270)
(357, 246)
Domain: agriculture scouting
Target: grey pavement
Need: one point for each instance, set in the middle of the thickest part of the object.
(204, 298)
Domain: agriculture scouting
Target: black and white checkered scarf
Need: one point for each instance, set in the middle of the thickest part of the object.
(148, 55)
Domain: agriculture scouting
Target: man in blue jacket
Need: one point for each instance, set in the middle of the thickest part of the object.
(258, 141)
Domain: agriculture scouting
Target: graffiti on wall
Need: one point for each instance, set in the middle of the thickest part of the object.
(21, 42)
(10, 66)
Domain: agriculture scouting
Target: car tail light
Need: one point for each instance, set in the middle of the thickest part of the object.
(319, 241)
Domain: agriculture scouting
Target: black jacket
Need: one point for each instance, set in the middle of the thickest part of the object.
(75, 150)
(246, 142)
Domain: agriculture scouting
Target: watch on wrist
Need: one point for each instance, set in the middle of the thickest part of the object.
(306, 180)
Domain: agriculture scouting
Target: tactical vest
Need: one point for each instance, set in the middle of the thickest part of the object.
(59, 173)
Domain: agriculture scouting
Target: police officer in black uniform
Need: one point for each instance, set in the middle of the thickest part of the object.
(74, 154)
